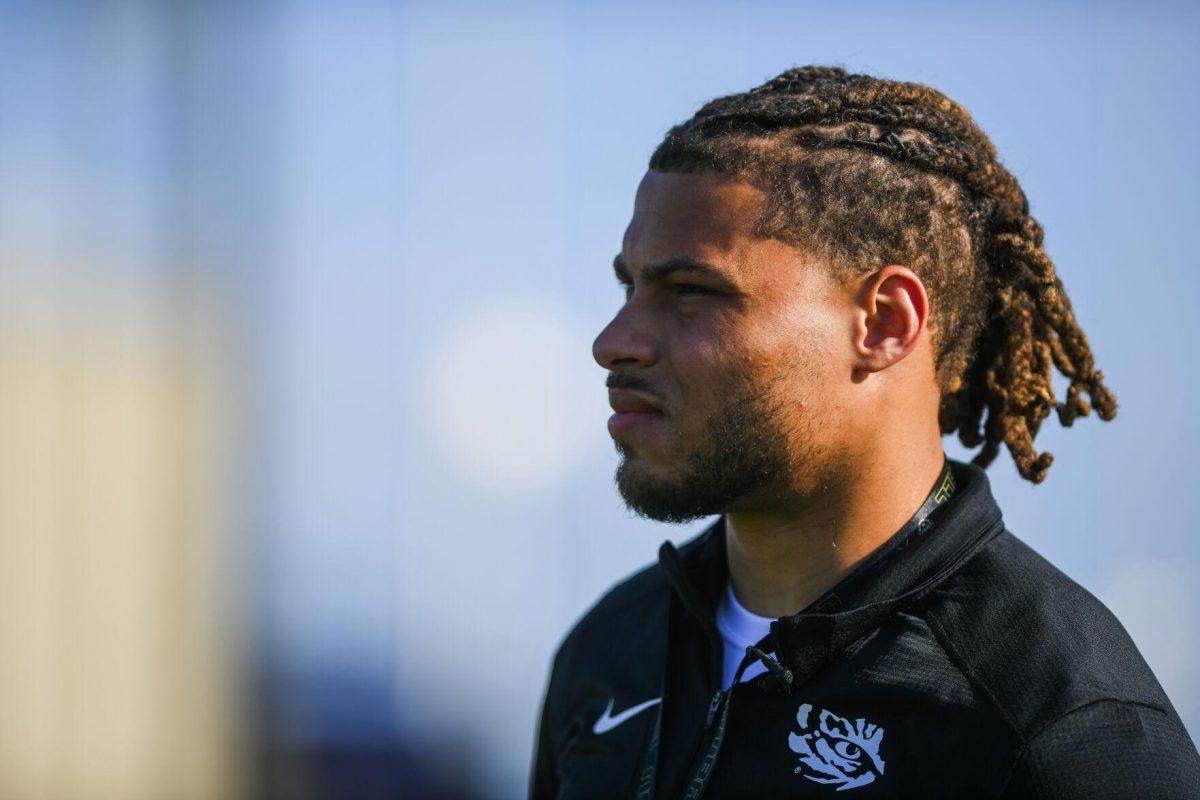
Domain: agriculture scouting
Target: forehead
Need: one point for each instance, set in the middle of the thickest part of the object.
(692, 214)
(712, 219)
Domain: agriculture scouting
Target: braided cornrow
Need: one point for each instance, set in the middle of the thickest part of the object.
(865, 172)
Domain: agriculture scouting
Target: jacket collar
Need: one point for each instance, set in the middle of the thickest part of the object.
(885, 584)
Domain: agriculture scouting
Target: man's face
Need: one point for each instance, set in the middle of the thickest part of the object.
(725, 361)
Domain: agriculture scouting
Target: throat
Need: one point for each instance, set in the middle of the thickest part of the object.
(781, 561)
(782, 573)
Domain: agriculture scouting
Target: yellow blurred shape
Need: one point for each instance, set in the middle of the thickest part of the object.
(117, 656)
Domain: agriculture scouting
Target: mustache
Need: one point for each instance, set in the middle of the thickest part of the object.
(617, 380)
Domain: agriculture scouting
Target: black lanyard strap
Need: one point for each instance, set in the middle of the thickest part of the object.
(696, 786)
(647, 771)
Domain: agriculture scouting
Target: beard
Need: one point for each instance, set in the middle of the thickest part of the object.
(743, 453)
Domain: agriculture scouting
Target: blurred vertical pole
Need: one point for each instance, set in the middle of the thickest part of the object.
(118, 595)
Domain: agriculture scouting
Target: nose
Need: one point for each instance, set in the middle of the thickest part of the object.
(625, 341)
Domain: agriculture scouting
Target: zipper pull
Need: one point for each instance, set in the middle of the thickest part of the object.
(712, 709)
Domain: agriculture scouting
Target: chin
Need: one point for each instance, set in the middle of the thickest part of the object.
(634, 468)
(659, 494)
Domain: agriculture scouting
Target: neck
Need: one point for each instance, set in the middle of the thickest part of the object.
(781, 560)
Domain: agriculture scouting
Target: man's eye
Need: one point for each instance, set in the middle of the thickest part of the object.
(681, 288)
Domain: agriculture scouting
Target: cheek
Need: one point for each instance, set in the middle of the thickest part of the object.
(816, 326)
(804, 377)
(812, 346)
(715, 367)
(701, 360)
(788, 357)
(794, 357)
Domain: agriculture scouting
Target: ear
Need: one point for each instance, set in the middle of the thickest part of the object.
(892, 309)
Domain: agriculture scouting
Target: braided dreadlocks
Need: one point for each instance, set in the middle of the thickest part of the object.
(865, 172)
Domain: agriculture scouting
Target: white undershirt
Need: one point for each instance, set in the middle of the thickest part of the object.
(740, 629)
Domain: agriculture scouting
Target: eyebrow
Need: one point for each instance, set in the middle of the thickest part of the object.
(661, 269)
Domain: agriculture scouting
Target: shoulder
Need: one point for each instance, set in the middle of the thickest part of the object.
(619, 609)
(623, 607)
(630, 615)
(1037, 643)
(617, 638)
(1107, 748)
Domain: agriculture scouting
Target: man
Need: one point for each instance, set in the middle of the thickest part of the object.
(823, 276)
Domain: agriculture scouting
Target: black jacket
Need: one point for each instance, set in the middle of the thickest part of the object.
(956, 664)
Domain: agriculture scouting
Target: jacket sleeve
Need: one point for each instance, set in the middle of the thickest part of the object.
(543, 780)
(1108, 749)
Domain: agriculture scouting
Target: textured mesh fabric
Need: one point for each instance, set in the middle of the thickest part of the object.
(1108, 749)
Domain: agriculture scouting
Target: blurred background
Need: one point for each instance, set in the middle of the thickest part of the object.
(303, 463)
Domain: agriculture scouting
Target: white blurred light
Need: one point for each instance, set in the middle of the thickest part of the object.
(1155, 601)
(515, 396)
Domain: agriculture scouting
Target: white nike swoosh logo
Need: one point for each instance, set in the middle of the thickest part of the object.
(607, 722)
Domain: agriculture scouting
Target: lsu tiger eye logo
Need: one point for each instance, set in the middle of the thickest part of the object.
(833, 750)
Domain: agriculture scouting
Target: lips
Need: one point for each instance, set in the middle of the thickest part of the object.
(627, 401)
(636, 414)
